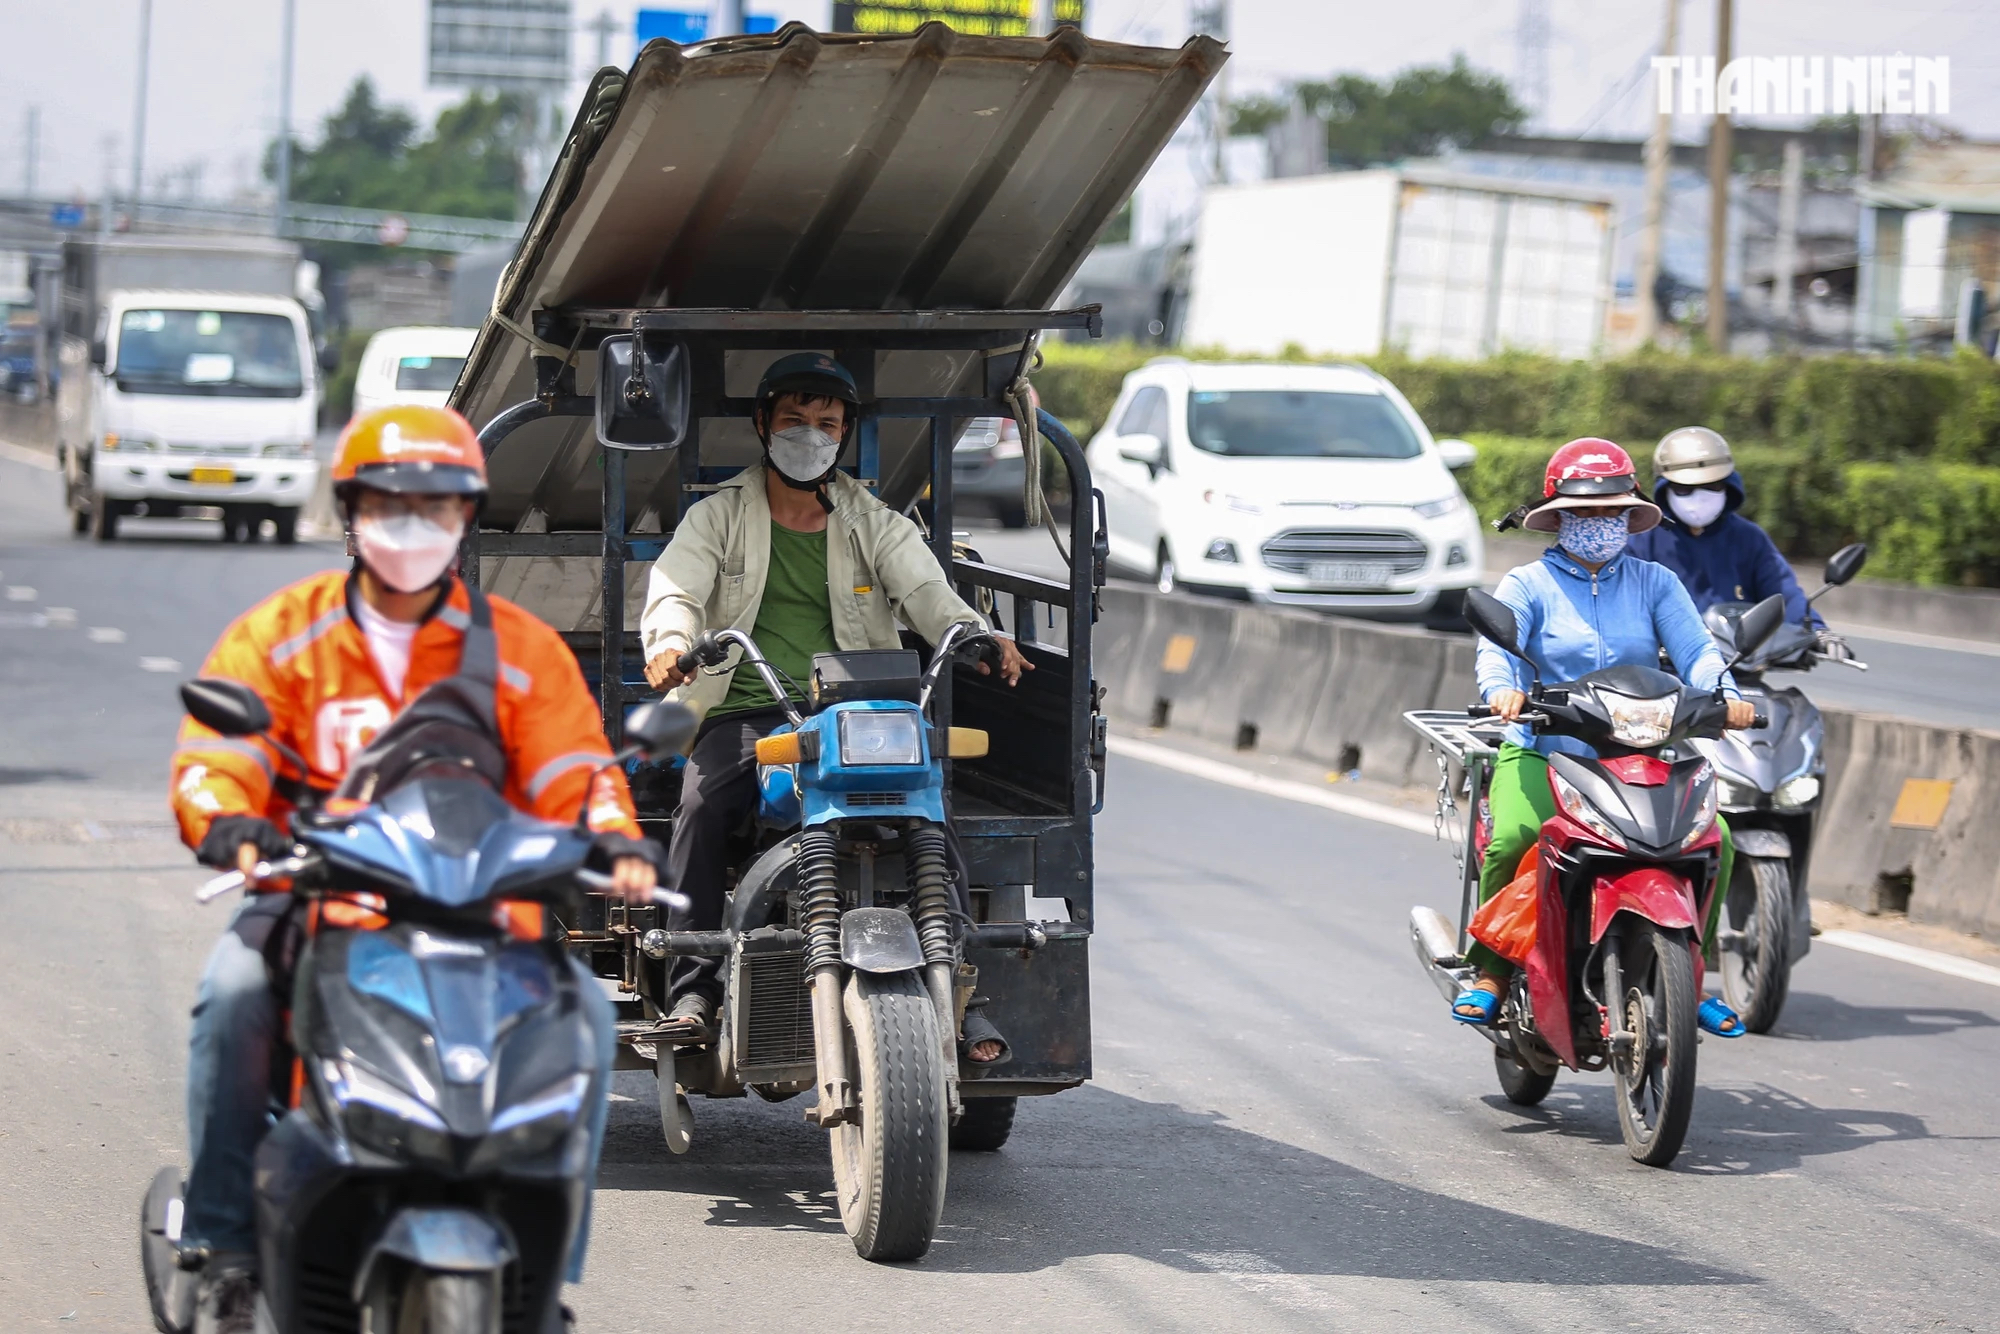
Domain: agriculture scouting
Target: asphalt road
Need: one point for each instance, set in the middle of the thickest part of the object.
(1286, 1132)
(1946, 686)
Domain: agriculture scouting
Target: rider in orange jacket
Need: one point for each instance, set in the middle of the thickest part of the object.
(336, 657)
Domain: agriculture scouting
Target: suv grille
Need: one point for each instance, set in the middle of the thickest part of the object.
(1296, 548)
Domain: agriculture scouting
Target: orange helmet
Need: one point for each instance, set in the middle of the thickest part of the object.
(427, 451)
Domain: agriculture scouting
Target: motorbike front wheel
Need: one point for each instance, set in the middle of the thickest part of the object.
(1655, 1074)
(889, 1165)
(1756, 955)
(431, 1301)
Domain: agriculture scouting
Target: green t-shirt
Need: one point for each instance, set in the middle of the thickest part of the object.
(794, 621)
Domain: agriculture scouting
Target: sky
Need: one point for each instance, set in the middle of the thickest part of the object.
(213, 99)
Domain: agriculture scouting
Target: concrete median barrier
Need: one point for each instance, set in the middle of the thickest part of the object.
(1910, 819)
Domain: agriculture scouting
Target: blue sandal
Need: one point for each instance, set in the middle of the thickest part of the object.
(1487, 1002)
(1714, 1014)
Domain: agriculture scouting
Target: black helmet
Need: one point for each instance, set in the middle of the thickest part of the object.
(814, 374)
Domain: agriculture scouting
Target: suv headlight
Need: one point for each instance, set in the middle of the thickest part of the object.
(1578, 808)
(1437, 509)
(1800, 791)
(881, 736)
(1639, 722)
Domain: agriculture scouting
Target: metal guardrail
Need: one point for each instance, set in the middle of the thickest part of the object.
(309, 222)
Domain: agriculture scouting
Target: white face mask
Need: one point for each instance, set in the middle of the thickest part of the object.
(803, 453)
(408, 552)
(1698, 509)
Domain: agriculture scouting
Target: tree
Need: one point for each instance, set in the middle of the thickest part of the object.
(1422, 112)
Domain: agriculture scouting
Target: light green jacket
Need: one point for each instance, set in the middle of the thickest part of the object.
(878, 571)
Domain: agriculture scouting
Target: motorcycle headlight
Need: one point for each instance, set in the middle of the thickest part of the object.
(532, 1124)
(1704, 815)
(1800, 791)
(1639, 722)
(1735, 794)
(388, 1119)
(1578, 808)
(875, 736)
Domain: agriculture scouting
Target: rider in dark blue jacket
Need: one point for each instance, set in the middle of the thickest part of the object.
(1719, 555)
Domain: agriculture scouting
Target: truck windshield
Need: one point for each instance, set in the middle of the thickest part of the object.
(220, 353)
(436, 374)
(1299, 424)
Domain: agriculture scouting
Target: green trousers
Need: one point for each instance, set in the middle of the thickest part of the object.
(1522, 801)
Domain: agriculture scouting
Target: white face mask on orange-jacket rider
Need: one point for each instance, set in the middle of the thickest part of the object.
(408, 552)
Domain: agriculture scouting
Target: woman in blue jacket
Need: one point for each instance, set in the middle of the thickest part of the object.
(1585, 605)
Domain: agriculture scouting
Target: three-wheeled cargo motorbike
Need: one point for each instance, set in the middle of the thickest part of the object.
(1623, 877)
(909, 206)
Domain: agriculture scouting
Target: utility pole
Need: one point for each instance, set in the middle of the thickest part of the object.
(728, 18)
(1531, 58)
(1719, 153)
(1659, 165)
(34, 149)
(288, 33)
(1211, 17)
(1791, 187)
(139, 102)
(603, 25)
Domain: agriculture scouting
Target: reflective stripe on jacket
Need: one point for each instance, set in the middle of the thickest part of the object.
(301, 650)
(711, 576)
(1573, 622)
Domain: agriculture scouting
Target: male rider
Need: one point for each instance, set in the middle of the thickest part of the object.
(1720, 555)
(802, 557)
(336, 657)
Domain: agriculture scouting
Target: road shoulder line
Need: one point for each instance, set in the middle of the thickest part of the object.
(34, 458)
(1936, 961)
(1285, 789)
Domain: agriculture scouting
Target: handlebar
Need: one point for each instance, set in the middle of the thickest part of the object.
(711, 649)
(956, 636)
(599, 883)
(232, 880)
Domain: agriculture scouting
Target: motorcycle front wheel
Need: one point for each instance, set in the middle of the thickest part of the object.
(1655, 1074)
(1756, 952)
(430, 1301)
(889, 1165)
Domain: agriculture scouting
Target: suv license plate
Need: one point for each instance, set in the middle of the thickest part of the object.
(1349, 573)
(212, 476)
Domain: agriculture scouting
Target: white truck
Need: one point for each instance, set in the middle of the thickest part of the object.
(1431, 263)
(189, 383)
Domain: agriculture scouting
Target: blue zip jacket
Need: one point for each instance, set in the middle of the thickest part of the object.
(1573, 622)
(1731, 560)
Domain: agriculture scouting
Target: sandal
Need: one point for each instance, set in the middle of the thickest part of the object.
(977, 1029)
(1487, 1003)
(1716, 1017)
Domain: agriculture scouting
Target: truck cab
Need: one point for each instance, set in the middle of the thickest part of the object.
(189, 400)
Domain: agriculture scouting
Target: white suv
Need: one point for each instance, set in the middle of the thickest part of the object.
(1305, 486)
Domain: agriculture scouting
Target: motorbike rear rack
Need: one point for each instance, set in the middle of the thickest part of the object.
(1472, 744)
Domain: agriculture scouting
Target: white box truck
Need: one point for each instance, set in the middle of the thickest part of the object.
(189, 383)
(1436, 264)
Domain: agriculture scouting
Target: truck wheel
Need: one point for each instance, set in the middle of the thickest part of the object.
(984, 1125)
(1655, 1077)
(285, 526)
(104, 515)
(889, 1169)
(79, 521)
(1756, 953)
(1013, 514)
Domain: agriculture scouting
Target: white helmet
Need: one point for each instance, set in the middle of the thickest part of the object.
(1692, 456)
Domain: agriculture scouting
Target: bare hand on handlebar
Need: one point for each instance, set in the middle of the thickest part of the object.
(1507, 704)
(1012, 663)
(1742, 713)
(664, 672)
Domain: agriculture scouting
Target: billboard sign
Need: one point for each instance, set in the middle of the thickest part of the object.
(518, 44)
(982, 18)
(687, 26)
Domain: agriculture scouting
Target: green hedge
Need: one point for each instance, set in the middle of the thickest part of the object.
(1836, 409)
(1925, 522)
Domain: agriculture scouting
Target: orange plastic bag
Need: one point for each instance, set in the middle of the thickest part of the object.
(1506, 922)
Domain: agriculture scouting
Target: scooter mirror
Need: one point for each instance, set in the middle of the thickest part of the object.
(660, 727)
(1846, 563)
(1757, 625)
(1492, 618)
(229, 707)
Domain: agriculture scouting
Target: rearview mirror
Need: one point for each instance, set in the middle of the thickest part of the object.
(660, 727)
(1147, 449)
(228, 707)
(1846, 563)
(1457, 454)
(98, 354)
(642, 392)
(1757, 625)
(329, 357)
(1492, 618)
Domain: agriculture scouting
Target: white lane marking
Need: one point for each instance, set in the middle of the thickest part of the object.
(34, 458)
(1261, 1277)
(159, 664)
(1915, 639)
(20, 593)
(1283, 788)
(60, 616)
(1937, 961)
(22, 620)
(106, 634)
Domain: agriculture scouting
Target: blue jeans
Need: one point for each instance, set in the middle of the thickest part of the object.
(228, 1091)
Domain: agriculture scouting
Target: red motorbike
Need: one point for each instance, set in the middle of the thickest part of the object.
(1610, 960)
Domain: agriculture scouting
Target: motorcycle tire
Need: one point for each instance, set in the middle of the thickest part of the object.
(170, 1290)
(889, 1165)
(984, 1125)
(1756, 966)
(1655, 1078)
(1523, 1087)
(419, 1301)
